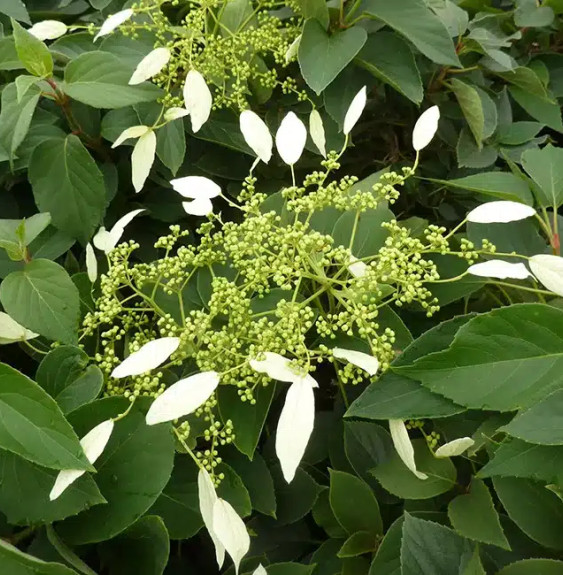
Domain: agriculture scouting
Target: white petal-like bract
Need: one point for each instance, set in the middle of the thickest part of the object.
(91, 263)
(175, 114)
(291, 138)
(425, 128)
(357, 268)
(292, 50)
(150, 65)
(403, 445)
(93, 444)
(355, 110)
(231, 531)
(275, 366)
(132, 132)
(196, 187)
(455, 447)
(207, 499)
(499, 269)
(296, 423)
(317, 131)
(256, 134)
(183, 397)
(260, 571)
(113, 22)
(150, 356)
(48, 29)
(106, 241)
(500, 212)
(11, 331)
(549, 270)
(364, 361)
(197, 99)
(142, 159)
(199, 207)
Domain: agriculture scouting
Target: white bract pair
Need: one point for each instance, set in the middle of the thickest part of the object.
(11, 331)
(143, 154)
(105, 240)
(200, 191)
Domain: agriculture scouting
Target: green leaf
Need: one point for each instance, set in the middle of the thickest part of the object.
(8, 56)
(234, 14)
(317, 9)
(541, 423)
(321, 57)
(387, 560)
(66, 552)
(15, 9)
(171, 145)
(178, 504)
(527, 80)
(25, 488)
(131, 472)
(66, 376)
(530, 15)
(418, 24)
(389, 58)
(471, 106)
(521, 237)
(431, 549)
(33, 54)
(67, 183)
(23, 84)
(297, 498)
(500, 185)
(474, 516)
(15, 117)
(43, 298)
(290, 569)
(101, 80)
(542, 109)
(233, 490)
(469, 155)
(484, 369)
(142, 548)
(533, 567)
(519, 133)
(397, 478)
(354, 505)
(536, 510)
(15, 235)
(358, 544)
(248, 419)
(15, 562)
(32, 425)
(545, 167)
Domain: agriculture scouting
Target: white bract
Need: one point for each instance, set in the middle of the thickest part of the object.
(364, 361)
(197, 99)
(91, 263)
(183, 397)
(499, 269)
(11, 331)
(291, 138)
(93, 444)
(455, 447)
(175, 114)
(207, 499)
(150, 65)
(500, 212)
(355, 110)
(256, 135)
(113, 22)
(48, 30)
(425, 128)
(275, 366)
(142, 159)
(260, 571)
(150, 356)
(231, 531)
(549, 270)
(201, 190)
(317, 131)
(357, 268)
(132, 132)
(106, 240)
(292, 50)
(403, 446)
(296, 423)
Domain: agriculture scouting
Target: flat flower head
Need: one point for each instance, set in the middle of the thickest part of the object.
(150, 356)
(113, 22)
(317, 131)
(355, 110)
(153, 63)
(500, 212)
(196, 187)
(549, 271)
(403, 446)
(425, 128)
(364, 361)
(197, 99)
(499, 269)
(256, 134)
(455, 447)
(291, 138)
(48, 30)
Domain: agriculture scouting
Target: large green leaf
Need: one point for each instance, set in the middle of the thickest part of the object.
(322, 57)
(67, 183)
(43, 298)
(536, 510)
(545, 167)
(388, 57)
(101, 80)
(33, 54)
(15, 9)
(542, 109)
(16, 235)
(388, 557)
(471, 106)
(32, 425)
(533, 567)
(65, 375)
(503, 360)
(15, 562)
(418, 24)
(473, 515)
(131, 472)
